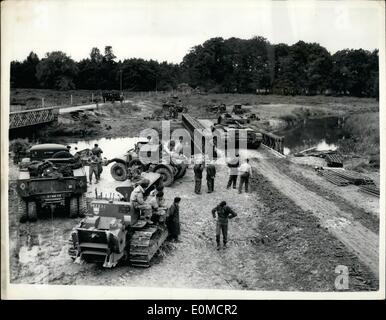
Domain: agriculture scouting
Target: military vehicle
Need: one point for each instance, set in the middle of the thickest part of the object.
(228, 118)
(232, 132)
(172, 108)
(50, 178)
(112, 96)
(217, 109)
(148, 157)
(238, 109)
(114, 231)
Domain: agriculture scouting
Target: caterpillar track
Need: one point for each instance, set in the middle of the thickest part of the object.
(145, 243)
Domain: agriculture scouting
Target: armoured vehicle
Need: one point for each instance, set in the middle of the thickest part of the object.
(49, 179)
(114, 231)
(217, 109)
(228, 118)
(148, 157)
(232, 131)
(112, 96)
(237, 109)
(172, 108)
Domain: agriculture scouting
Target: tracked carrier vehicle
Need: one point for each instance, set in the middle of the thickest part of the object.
(114, 231)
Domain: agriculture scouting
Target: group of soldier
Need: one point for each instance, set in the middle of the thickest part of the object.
(244, 171)
(95, 163)
(154, 210)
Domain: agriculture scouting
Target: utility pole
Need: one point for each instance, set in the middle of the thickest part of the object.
(120, 81)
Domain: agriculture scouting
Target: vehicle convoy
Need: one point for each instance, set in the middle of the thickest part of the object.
(114, 231)
(51, 178)
(148, 157)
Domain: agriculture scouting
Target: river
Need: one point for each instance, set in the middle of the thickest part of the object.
(322, 133)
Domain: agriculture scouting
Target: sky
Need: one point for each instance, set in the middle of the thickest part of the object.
(165, 30)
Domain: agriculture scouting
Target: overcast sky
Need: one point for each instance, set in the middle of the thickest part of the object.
(166, 30)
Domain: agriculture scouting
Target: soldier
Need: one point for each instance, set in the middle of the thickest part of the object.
(245, 171)
(198, 168)
(223, 214)
(137, 199)
(173, 220)
(98, 152)
(233, 165)
(157, 204)
(210, 175)
(93, 168)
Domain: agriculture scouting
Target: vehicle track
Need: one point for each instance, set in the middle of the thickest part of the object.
(357, 238)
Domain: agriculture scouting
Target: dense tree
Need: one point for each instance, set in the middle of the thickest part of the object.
(23, 74)
(217, 65)
(56, 71)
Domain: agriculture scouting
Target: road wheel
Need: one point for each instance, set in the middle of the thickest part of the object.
(32, 212)
(167, 176)
(119, 172)
(22, 211)
(73, 207)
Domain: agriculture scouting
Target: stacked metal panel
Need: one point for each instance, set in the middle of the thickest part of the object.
(354, 177)
(333, 178)
(370, 189)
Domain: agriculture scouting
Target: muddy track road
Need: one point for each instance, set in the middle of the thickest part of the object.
(363, 242)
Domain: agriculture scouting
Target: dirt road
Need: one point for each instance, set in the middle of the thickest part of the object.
(359, 239)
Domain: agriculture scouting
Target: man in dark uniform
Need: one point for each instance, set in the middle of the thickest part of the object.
(210, 175)
(173, 219)
(198, 168)
(98, 152)
(223, 214)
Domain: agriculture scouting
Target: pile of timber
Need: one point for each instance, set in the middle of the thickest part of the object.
(370, 189)
(353, 177)
(329, 175)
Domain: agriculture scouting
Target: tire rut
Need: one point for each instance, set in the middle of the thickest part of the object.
(360, 240)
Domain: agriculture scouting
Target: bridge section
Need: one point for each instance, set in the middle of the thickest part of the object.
(31, 117)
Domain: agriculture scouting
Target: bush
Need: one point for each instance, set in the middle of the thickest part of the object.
(19, 148)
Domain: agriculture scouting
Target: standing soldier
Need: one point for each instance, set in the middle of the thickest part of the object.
(98, 152)
(198, 168)
(223, 214)
(233, 165)
(245, 173)
(93, 168)
(210, 175)
(173, 220)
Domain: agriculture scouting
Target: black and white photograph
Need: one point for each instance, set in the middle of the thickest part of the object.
(192, 149)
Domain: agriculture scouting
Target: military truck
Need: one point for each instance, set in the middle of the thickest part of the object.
(114, 231)
(50, 178)
(148, 157)
(112, 96)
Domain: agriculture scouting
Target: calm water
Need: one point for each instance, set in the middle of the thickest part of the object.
(323, 134)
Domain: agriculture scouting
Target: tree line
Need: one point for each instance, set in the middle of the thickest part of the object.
(222, 66)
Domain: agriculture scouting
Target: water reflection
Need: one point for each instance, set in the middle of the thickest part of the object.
(323, 134)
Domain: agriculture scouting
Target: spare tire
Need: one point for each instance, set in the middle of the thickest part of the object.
(167, 176)
(118, 171)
